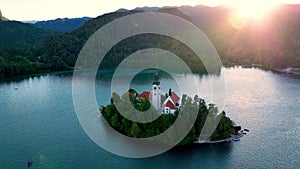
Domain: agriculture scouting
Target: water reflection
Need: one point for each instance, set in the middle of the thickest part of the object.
(39, 120)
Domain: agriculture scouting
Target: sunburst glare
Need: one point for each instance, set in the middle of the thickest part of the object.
(245, 11)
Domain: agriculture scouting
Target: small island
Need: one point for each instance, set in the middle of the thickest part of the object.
(168, 106)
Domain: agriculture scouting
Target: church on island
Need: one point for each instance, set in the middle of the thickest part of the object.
(167, 106)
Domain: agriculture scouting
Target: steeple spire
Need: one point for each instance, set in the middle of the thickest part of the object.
(156, 79)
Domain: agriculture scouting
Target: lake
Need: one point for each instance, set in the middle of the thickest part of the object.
(38, 120)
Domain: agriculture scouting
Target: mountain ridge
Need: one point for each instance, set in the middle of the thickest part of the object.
(62, 24)
(252, 44)
(15, 34)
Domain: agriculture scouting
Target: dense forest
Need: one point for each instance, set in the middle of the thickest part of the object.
(56, 53)
(275, 43)
(59, 52)
(143, 130)
(14, 34)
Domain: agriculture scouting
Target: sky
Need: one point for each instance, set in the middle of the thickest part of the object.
(27, 10)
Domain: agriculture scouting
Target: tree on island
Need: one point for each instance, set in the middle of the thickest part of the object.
(224, 129)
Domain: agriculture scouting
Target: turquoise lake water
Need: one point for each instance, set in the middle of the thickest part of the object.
(38, 120)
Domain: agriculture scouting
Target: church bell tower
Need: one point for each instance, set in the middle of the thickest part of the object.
(155, 94)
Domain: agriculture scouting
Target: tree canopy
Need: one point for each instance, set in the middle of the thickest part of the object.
(161, 124)
(47, 51)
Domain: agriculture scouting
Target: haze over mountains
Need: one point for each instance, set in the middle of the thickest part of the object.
(27, 48)
(62, 24)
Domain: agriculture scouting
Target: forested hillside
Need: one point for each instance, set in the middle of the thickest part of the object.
(16, 34)
(273, 42)
(59, 52)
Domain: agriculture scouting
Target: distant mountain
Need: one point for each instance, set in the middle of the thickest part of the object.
(30, 21)
(15, 34)
(67, 46)
(59, 52)
(147, 9)
(122, 10)
(273, 43)
(62, 24)
(202, 14)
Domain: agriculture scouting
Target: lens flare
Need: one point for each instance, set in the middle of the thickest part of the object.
(254, 11)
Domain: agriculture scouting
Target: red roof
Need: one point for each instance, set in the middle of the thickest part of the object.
(171, 105)
(174, 97)
(145, 95)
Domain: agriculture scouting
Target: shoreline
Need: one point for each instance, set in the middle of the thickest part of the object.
(22, 77)
(230, 139)
(288, 70)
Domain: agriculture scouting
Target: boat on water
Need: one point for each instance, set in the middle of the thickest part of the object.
(246, 130)
(236, 139)
(242, 132)
(29, 161)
